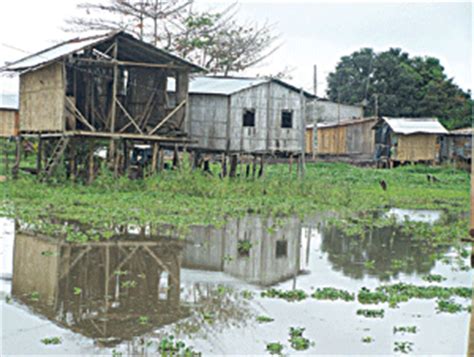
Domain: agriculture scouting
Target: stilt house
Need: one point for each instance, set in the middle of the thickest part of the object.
(110, 86)
(456, 147)
(400, 140)
(246, 115)
(353, 138)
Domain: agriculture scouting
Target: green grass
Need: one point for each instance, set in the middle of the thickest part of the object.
(182, 198)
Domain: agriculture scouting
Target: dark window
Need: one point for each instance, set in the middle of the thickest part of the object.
(249, 117)
(286, 119)
(281, 248)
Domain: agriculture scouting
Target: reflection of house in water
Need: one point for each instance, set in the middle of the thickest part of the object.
(273, 253)
(110, 291)
(390, 251)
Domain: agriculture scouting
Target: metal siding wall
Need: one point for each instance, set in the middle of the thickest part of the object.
(285, 139)
(208, 121)
(249, 139)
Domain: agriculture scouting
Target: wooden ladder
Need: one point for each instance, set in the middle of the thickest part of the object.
(55, 158)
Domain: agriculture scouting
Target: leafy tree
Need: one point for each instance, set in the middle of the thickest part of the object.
(214, 40)
(401, 85)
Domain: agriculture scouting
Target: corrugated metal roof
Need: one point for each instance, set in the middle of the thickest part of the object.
(228, 85)
(346, 122)
(463, 131)
(407, 126)
(55, 52)
(218, 85)
(78, 44)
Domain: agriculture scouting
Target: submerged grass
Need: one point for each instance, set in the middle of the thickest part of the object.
(182, 197)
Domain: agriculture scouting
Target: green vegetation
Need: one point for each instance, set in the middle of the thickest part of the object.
(168, 346)
(244, 246)
(371, 313)
(332, 294)
(275, 348)
(143, 320)
(288, 295)
(430, 278)
(34, 296)
(77, 291)
(401, 292)
(182, 198)
(367, 339)
(449, 306)
(404, 329)
(297, 341)
(51, 340)
(264, 319)
(405, 86)
(403, 346)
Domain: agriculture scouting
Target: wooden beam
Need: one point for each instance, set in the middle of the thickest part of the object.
(125, 136)
(131, 64)
(127, 114)
(165, 119)
(79, 115)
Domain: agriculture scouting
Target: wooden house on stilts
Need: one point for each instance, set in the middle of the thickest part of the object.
(402, 140)
(109, 87)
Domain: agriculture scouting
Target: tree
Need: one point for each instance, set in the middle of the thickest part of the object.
(402, 86)
(214, 40)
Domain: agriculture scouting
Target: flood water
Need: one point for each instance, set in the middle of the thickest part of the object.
(123, 296)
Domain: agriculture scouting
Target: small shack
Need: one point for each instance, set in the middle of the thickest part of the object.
(111, 86)
(456, 147)
(9, 117)
(352, 138)
(400, 140)
(246, 115)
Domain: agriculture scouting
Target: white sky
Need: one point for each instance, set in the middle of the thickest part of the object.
(312, 32)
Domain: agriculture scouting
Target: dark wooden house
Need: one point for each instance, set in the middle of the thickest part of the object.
(111, 86)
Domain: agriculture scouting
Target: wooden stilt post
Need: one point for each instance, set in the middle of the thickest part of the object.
(233, 165)
(254, 166)
(6, 156)
(262, 163)
(224, 165)
(16, 167)
(72, 159)
(113, 110)
(247, 170)
(39, 154)
(154, 158)
(90, 178)
(126, 157)
(291, 163)
(161, 159)
(176, 157)
(303, 132)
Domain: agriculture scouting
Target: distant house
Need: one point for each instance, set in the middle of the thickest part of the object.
(245, 115)
(323, 110)
(400, 140)
(354, 138)
(9, 118)
(456, 147)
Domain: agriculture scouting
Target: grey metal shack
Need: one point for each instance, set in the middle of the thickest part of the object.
(246, 115)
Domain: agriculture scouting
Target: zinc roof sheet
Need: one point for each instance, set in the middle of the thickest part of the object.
(407, 126)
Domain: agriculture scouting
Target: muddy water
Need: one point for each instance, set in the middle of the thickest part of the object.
(124, 296)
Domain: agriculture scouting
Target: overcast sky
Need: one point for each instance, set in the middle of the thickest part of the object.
(311, 33)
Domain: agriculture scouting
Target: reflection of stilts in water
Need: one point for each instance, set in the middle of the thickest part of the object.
(110, 291)
(471, 231)
(303, 257)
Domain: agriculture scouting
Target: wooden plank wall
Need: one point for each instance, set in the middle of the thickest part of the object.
(309, 144)
(42, 99)
(8, 122)
(332, 140)
(416, 148)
